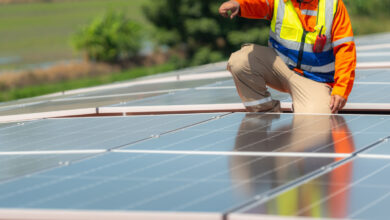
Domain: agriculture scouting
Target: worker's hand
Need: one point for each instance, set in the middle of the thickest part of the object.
(337, 103)
(232, 6)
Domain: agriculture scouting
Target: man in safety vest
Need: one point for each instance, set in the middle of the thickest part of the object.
(311, 55)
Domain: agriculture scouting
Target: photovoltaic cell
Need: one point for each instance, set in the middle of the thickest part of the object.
(147, 182)
(380, 150)
(356, 190)
(91, 133)
(367, 57)
(75, 103)
(278, 133)
(376, 75)
(190, 97)
(373, 39)
(153, 87)
(15, 166)
(218, 93)
(370, 93)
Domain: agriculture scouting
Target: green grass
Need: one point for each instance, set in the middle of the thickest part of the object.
(369, 25)
(43, 89)
(41, 32)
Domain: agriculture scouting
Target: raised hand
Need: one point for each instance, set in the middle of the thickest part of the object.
(232, 6)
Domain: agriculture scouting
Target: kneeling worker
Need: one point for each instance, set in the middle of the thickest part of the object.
(311, 55)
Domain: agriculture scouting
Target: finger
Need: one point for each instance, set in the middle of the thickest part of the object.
(331, 102)
(343, 103)
(336, 105)
(234, 14)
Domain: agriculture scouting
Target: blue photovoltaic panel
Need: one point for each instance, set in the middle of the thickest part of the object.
(356, 190)
(218, 93)
(74, 103)
(192, 96)
(91, 133)
(382, 149)
(154, 182)
(372, 40)
(240, 132)
(370, 93)
(15, 166)
(374, 75)
(163, 86)
(373, 56)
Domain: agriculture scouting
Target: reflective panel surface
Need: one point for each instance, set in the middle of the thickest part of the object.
(154, 87)
(15, 166)
(242, 132)
(370, 93)
(152, 182)
(376, 75)
(74, 103)
(91, 133)
(356, 190)
(382, 149)
(217, 93)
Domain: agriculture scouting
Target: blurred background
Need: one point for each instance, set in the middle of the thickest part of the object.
(48, 46)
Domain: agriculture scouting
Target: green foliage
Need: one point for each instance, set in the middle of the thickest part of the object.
(368, 7)
(110, 38)
(196, 26)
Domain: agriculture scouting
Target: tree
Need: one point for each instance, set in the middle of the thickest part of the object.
(110, 38)
(195, 27)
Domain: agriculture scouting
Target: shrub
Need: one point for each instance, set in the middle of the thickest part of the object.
(110, 38)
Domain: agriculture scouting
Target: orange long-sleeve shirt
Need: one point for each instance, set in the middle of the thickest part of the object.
(345, 53)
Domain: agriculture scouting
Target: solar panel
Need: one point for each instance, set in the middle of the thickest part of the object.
(87, 104)
(381, 150)
(16, 166)
(376, 56)
(356, 190)
(370, 76)
(91, 133)
(373, 39)
(167, 86)
(363, 97)
(165, 183)
(262, 134)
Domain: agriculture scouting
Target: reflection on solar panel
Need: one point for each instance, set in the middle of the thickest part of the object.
(356, 190)
(240, 134)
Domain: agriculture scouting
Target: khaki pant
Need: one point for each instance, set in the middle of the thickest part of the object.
(254, 67)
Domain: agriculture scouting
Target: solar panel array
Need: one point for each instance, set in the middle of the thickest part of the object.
(200, 165)
(228, 166)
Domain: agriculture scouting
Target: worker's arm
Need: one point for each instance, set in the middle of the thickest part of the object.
(345, 53)
(255, 9)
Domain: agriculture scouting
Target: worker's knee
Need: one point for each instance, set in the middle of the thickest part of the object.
(239, 61)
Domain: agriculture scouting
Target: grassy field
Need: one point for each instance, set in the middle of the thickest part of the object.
(47, 88)
(38, 33)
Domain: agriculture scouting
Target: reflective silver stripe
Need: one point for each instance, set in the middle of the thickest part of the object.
(319, 69)
(329, 18)
(309, 12)
(315, 69)
(267, 2)
(343, 40)
(258, 102)
(296, 45)
(280, 17)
